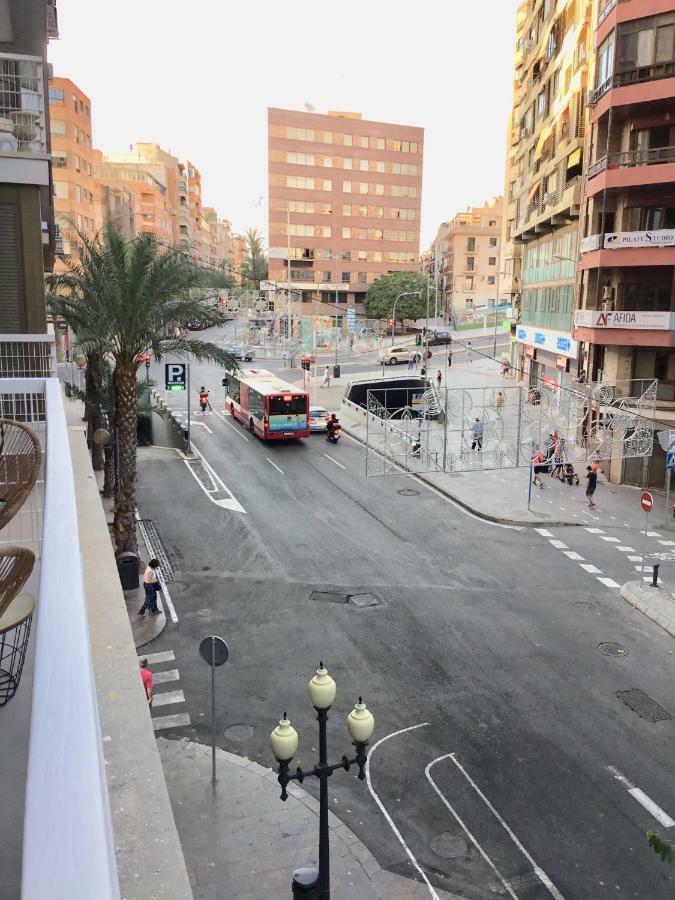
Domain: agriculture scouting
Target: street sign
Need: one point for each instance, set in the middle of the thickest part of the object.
(175, 376)
(221, 651)
(646, 501)
(670, 459)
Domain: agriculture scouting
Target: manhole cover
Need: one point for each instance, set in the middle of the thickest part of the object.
(449, 846)
(329, 597)
(361, 600)
(610, 649)
(643, 705)
(239, 732)
(408, 492)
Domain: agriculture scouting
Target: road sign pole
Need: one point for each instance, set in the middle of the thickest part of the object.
(189, 447)
(644, 545)
(213, 710)
(665, 512)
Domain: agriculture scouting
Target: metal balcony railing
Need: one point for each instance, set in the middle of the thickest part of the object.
(636, 75)
(67, 830)
(632, 158)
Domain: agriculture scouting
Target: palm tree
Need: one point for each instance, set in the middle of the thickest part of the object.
(254, 267)
(124, 299)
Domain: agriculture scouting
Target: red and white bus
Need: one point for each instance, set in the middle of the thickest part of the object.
(266, 405)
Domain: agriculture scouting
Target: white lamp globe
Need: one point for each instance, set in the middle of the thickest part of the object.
(322, 689)
(284, 740)
(360, 722)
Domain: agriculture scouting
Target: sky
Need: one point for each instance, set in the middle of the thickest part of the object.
(197, 78)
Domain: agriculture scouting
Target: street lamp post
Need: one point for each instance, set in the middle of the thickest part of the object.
(393, 310)
(284, 743)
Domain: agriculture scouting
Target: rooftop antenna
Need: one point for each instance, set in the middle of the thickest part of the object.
(309, 107)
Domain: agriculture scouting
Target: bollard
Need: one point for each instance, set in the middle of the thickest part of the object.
(655, 575)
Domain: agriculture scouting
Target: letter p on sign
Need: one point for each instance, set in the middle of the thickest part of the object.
(175, 376)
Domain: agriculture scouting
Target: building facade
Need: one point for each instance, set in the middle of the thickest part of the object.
(344, 203)
(470, 259)
(26, 208)
(543, 185)
(73, 168)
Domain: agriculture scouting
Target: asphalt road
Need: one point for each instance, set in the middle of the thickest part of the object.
(483, 643)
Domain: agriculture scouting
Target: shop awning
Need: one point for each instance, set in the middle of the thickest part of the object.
(574, 158)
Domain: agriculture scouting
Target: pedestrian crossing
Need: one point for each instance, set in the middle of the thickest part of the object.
(172, 696)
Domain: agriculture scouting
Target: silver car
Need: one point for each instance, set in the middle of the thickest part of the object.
(318, 417)
(393, 355)
(241, 353)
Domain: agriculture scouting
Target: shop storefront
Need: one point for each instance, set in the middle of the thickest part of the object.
(546, 359)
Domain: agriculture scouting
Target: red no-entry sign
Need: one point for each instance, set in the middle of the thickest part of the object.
(646, 501)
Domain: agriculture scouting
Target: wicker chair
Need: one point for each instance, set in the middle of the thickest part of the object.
(16, 564)
(20, 461)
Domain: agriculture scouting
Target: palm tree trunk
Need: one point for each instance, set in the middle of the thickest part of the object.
(108, 470)
(124, 525)
(92, 389)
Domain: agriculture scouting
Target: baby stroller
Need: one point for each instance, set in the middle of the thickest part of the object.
(568, 474)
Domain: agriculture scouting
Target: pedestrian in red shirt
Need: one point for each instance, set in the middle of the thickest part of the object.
(146, 678)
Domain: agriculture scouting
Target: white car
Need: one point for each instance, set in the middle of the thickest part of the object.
(318, 417)
(391, 356)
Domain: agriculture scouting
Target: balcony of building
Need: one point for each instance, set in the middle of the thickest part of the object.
(547, 210)
(23, 132)
(80, 767)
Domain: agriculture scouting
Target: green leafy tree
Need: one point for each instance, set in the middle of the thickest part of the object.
(254, 267)
(663, 848)
(381, 296)
(123, 300)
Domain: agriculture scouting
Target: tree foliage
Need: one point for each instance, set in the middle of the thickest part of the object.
(381, 295)
(663, 848)
(254, 267)
(123, 299)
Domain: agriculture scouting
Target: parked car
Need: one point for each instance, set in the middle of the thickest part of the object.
(241, 353)
(195, 326)
(391, 356)
(318, 417)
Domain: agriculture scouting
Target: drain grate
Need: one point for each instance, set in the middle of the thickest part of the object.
(643, 705)
(408, 492)
(363, 600)
(329, 597)
(156, 547)
(610, 649)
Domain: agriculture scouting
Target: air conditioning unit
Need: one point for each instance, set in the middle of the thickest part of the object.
(549, 197)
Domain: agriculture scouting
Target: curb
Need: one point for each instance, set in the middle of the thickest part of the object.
(655, 603)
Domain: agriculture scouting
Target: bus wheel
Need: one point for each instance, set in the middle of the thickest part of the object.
(251, 426)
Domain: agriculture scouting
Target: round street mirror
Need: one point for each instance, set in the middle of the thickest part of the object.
(221, 651)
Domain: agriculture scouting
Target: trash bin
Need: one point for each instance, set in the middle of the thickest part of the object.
(336, 371)
(127, 568)
(305, 882)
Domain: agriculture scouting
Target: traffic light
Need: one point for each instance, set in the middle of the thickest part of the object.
(418, 339)
(306, 363)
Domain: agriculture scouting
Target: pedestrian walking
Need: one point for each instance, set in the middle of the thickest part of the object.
(469, 352)
(592, 478)
(499, 402)
(410, 360)
(439, 379)
(477, 432)
(326, 377)
(539, 463)
(449, 358)
(146, 678)
(506, 368)
(151, 586)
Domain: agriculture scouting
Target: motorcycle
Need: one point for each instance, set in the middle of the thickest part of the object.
(333, 433)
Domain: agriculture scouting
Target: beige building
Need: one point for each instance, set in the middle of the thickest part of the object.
(543, 184)
(466, 254)
(218, 238)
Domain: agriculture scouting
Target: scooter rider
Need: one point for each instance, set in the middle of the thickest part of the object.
(204, 401)
(332, 425)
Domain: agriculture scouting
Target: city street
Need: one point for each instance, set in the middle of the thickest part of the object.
(502, 758)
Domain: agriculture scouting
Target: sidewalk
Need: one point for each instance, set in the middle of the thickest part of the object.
(241, 842)
(657, 604)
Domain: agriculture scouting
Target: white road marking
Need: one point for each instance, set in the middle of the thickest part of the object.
(204, 425)
(667, 543)
(625, 549)
(593, 570)
(162, 656)
(653, 808)
(232, 504)
(473, 840)
(559, 545)
(539, 872)
(648, 579)
(571, 554)
(608, 582)
(653, 534)
(594, 530)
(633, 558)
(543, 532)
(167, 697)
(334, 461)
(384, 811)
(176, 721)
(610, 539)
(230, 425)
(163, 677)
(275, 465)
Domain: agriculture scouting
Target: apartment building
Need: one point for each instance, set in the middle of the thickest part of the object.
(625, 322)
(344, 203)
(72, 167)
(218, 237)
(470, 259)
(238, 256)
(543, 184)
(26, 209)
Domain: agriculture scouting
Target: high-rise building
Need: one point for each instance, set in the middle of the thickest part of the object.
(152, 209)
(625, 324)
(344, 203)
(470, 258)
(543, 184)
(72, 166)
(26, 209)
(218, 238)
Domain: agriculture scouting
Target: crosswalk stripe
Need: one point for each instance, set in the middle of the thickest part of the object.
(162, 656)
(162, 677)
(167, 697)
(177, 721)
